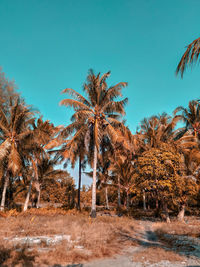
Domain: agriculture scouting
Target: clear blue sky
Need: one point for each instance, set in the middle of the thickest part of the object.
(48, 45)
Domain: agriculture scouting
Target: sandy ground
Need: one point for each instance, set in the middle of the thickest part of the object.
(148, 238)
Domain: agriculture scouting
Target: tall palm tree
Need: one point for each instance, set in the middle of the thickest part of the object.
(98, 115)
(115, 154)
(74, 150)
(190, 57)
(103, 172)
(15, 133)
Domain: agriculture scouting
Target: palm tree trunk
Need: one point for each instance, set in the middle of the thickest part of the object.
(37, 184)
(106, 194)
(93, 211)
(144, 200)
(38, 198)
(157, 203)
(79, 186)
(28, 195)
(118, 194)
(3, 199)
(166, 213)
(181, 213)
(127, 200)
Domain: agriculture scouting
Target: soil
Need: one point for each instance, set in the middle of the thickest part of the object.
(147, 238)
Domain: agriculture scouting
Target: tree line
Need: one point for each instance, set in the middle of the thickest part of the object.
(159, 165)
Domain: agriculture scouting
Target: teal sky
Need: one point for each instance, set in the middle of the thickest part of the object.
(48, 45)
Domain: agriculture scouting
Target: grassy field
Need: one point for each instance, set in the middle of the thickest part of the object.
(89, 239)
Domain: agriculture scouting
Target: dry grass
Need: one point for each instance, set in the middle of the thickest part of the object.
(191, 228)
(156, 254)
(100, 237)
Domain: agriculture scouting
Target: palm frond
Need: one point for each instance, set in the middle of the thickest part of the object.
(81, 114)
(73, 103)
(114, 91)
(24, 135)
(190, 56)
(53, 143)
(4, 129)
(77, 96)
(14, 161)
(3, 118)
(4, 148)
(115, 107)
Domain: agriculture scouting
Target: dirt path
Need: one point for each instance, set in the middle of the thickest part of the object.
(146, 238)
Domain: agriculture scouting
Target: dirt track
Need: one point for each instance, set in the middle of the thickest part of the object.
(147, 239)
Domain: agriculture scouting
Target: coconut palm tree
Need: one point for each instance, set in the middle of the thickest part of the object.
(157, 130)
(15, 134)
(43, 133)
(98, 115)
(190, 57)
(74, 150)
(104, 180)
(190, 116)
(123, 170)
(47, 171)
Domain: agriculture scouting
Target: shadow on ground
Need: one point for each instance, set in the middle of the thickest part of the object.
(179, 244)
(11, 257)
(14, 257)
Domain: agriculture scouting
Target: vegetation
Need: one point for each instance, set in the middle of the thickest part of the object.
(108, 240)
(98, 117)
(190, 57)
(158, 166)
(153, 172)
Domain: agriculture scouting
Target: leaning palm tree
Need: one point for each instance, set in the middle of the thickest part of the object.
(190, 57)
(15, 133)
(98, 115)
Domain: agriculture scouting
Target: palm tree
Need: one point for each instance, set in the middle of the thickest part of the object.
(74, 150)
(104, 179)
(123, 169)
(157, 130)
(190, 56)
(187, 137)
(103, 168)
(47, 171)
(15, 133)
(55, 183)
(190, 116)
(98, 115)
(43, 133)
